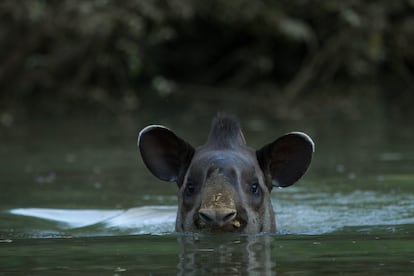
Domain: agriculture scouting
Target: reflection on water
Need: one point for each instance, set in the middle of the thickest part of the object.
(139, 220)
(225, 255)
(347, 253)
(180, 255)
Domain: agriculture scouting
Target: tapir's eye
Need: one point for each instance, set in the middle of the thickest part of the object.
(255, 189)
(189, 189)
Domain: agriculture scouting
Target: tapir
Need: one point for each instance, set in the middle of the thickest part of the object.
(225, 185)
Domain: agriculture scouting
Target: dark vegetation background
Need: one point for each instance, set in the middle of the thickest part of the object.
(285, 58)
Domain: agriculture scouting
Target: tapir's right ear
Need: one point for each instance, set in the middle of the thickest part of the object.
(165, 154)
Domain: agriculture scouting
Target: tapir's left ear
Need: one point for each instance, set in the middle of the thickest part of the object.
(286, 159)
(165, 154)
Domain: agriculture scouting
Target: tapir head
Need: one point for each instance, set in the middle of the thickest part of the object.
(225, 185)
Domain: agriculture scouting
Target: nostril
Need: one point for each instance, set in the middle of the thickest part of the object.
(230, 216)
(217, 217)
(205, 217)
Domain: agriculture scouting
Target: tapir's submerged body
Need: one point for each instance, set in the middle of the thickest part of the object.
(225, 185)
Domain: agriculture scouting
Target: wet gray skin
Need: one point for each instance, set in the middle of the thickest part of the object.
(225, 185)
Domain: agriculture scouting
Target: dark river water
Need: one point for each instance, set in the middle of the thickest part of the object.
(76, 199)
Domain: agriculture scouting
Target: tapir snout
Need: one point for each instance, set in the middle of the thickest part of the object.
(218, 208)
(225, 185)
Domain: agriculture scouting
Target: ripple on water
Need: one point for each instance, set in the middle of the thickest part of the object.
(296, 213)
(325, 212)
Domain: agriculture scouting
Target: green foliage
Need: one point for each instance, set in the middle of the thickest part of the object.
(101, 50)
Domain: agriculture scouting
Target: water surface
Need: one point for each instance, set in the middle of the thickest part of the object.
(77, 199)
